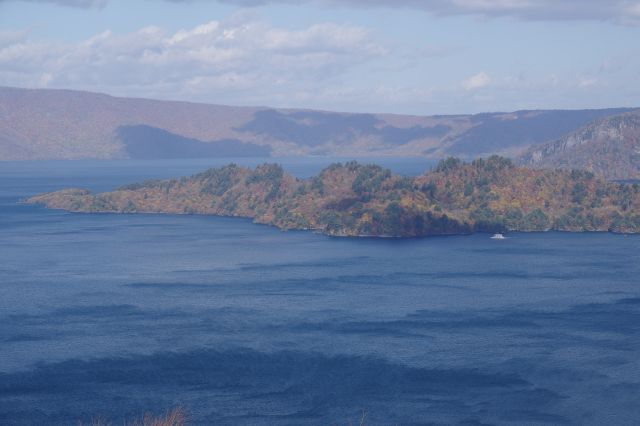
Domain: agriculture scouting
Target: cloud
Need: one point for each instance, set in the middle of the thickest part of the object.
(587, 82)
(625, 12)
(244, 60)
(618, 11)
(240, 54)
(85, 4)
(477, 81)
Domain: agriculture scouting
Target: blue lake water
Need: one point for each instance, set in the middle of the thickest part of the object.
(243, 324)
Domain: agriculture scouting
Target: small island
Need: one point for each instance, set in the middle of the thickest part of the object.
(351, 199)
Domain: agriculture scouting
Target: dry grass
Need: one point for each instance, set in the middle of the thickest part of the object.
(175, 417)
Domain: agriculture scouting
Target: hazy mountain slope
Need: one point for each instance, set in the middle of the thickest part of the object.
(609, 147)
(147, 143)
(499, 133)
(65, 124)
(69, 124)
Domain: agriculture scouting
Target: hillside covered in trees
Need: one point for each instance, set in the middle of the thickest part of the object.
(609, 147)
(367, 200)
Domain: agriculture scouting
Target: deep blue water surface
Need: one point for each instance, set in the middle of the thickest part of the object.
(243, 324)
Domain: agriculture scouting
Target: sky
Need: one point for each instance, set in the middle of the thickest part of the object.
(418, 57)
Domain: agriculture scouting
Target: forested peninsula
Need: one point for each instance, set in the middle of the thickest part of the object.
(351, 199)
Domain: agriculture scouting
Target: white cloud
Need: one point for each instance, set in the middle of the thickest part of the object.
(587, 81)
(238, 54)
(246, 61)
(477, 81)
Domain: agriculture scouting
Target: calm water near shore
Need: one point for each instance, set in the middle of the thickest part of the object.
(243, 324)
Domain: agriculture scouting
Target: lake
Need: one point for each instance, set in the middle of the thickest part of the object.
(243, 324)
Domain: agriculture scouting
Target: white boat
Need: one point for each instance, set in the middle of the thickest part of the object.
(498, 237)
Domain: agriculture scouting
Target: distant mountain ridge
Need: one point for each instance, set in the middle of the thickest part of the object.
(66, 124)
(609, 147)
